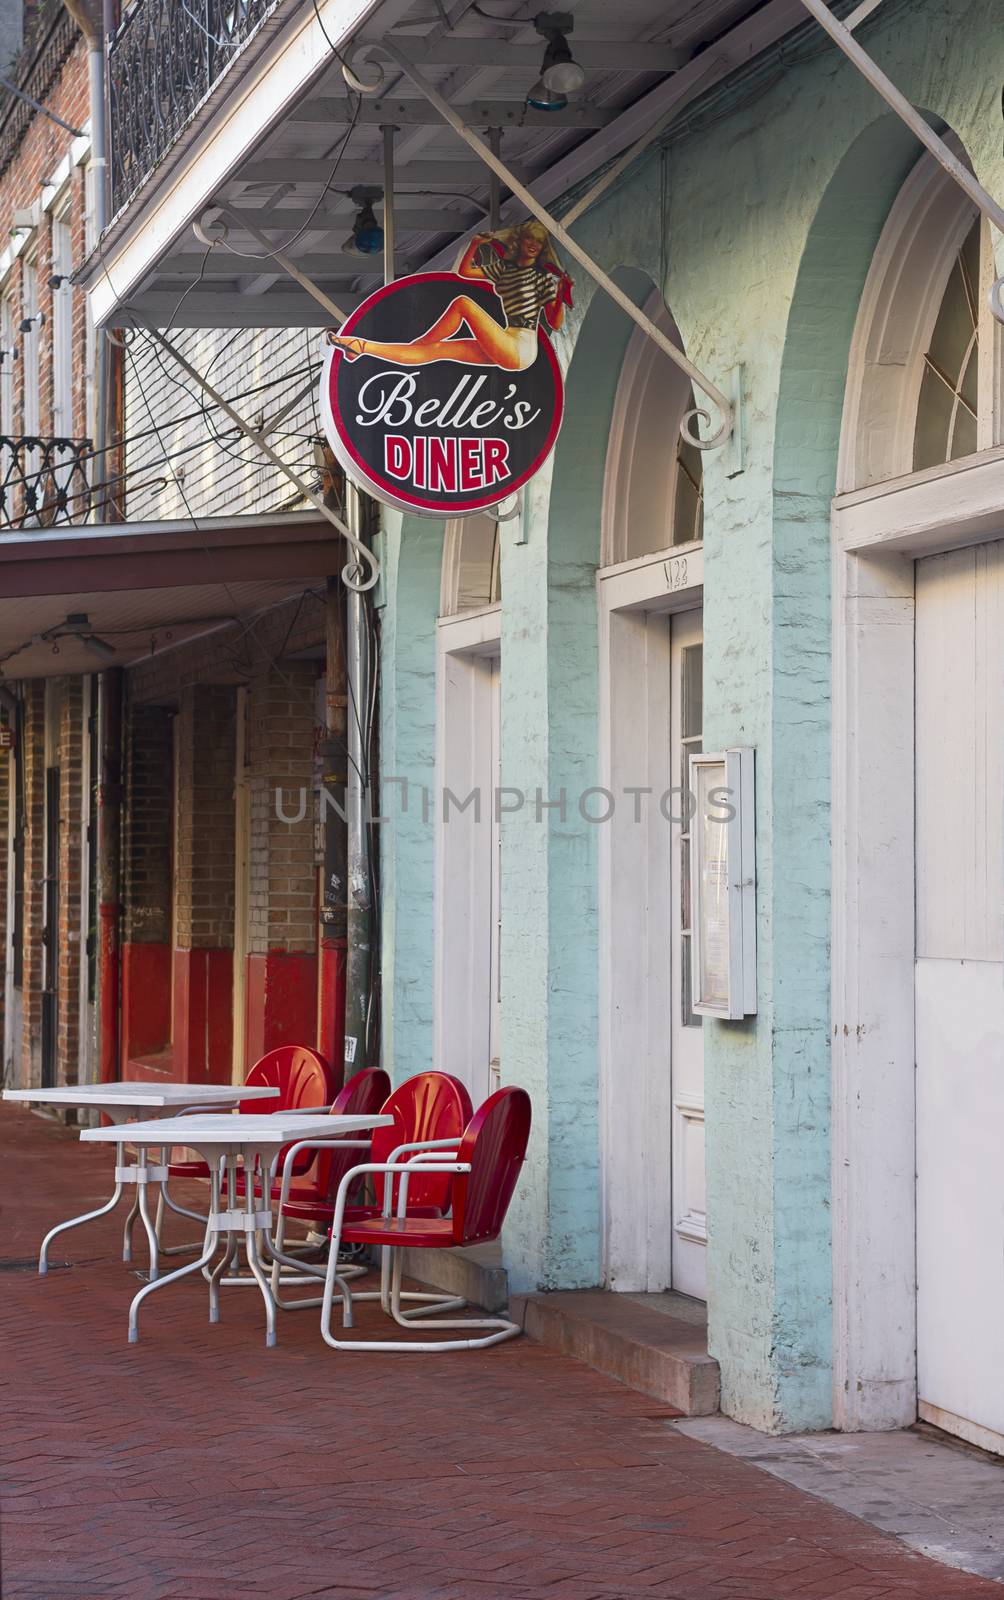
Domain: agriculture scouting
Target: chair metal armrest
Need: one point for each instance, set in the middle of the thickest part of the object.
(293, 1150)
(402, 1167)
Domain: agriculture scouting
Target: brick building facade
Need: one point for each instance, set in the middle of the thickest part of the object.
(199, 947)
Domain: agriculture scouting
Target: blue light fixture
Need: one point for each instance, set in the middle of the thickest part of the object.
(367, 234)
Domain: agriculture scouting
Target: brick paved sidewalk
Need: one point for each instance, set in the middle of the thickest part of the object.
(199, 1466)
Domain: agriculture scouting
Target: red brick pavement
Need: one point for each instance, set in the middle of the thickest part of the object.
(196, 1465)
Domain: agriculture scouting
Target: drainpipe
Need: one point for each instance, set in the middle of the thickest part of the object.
(334, 907)
(358, 977)
(109, 862)
(359, 987)
(96, 19)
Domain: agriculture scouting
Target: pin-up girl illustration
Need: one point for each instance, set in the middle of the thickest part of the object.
(521, 265)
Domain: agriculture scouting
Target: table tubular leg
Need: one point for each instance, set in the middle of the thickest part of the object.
(212, 1239)
(77, 1222)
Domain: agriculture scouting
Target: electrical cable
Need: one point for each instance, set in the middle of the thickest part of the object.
(281, 249)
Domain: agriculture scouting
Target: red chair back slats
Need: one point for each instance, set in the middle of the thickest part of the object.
(495, 1144)
(365, 1092)
(432, 1105)
(303, 1079)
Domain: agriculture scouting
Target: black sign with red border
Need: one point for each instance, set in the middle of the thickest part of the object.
(454, 410)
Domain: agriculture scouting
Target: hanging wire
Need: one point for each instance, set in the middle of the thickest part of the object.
(281, 249)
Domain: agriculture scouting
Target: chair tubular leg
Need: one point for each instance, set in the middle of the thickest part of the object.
(499, 1328)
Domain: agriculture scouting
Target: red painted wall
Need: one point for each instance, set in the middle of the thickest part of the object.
(146, 1004)
(281, 1001)
(203, 1015)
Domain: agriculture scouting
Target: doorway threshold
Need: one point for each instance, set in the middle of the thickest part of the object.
(940, 1497)
(656, 1343)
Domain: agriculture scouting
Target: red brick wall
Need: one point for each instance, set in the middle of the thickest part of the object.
(6, 796)
(204, 861)
(283, 893)
(38, 155)
(70, 761)
(147, 826)
(34, 870)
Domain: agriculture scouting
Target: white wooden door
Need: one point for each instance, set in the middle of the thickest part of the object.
(689, 1245)
(960, 992)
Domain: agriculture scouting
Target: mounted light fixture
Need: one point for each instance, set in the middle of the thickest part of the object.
(367, 234)
(36, 321)
(560, 73)
(57, 279)
(78, 626)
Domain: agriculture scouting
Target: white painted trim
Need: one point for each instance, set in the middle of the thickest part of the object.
(53, 186)
(877, 534)
(972, 1432)
(664, 581)
(285, 71)
(883, 519)
(899, 306)
(635, 1019)
(960, 503)
(471, 631)
(467, 646)
(652, 393)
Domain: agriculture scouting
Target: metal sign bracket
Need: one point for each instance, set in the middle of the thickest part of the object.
(844, 39)
(575, 250)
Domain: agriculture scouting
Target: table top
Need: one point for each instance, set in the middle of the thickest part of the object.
(150, 1095)
(230, 1132)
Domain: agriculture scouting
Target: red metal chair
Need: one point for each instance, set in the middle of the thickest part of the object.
(484, 1170)
(430, 1112)
(304, 1081)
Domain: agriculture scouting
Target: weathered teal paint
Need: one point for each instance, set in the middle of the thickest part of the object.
(760, 221)
(549, 871)
(413, 557)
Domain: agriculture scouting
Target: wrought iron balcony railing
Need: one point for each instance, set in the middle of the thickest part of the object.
(162, 63)
(43, 482)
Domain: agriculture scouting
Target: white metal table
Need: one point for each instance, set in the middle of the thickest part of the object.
(226, 1143)
(121, 1101)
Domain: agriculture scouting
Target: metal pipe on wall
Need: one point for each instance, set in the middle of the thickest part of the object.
(109, 847)
(360, 896)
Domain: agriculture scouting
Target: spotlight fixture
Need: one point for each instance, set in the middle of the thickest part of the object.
(560, 74)
(35, 321)
(367, 234)
(78, 626)
(57, 279)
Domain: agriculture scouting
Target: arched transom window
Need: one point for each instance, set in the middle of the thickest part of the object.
(472, 578)
(948, 406)
(654, 490)
(925, 378)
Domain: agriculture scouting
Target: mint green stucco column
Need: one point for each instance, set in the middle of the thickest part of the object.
(412, 550)
(549, 894)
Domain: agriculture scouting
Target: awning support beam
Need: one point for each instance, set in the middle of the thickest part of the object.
(363, 558)
(212, 229)
(844, 39)
(554, 227)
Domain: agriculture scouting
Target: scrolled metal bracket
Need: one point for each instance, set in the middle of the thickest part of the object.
(362, 85)
(700, 414)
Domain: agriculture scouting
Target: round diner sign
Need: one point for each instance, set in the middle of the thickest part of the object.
(440, 393)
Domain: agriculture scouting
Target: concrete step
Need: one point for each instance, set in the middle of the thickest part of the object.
(662, 1352)
(475, 1272)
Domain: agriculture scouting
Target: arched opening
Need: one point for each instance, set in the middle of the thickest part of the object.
(654, 484)
(918, 887)
(651, 697)
(468, 916)
(472, 569)
(925, 360)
